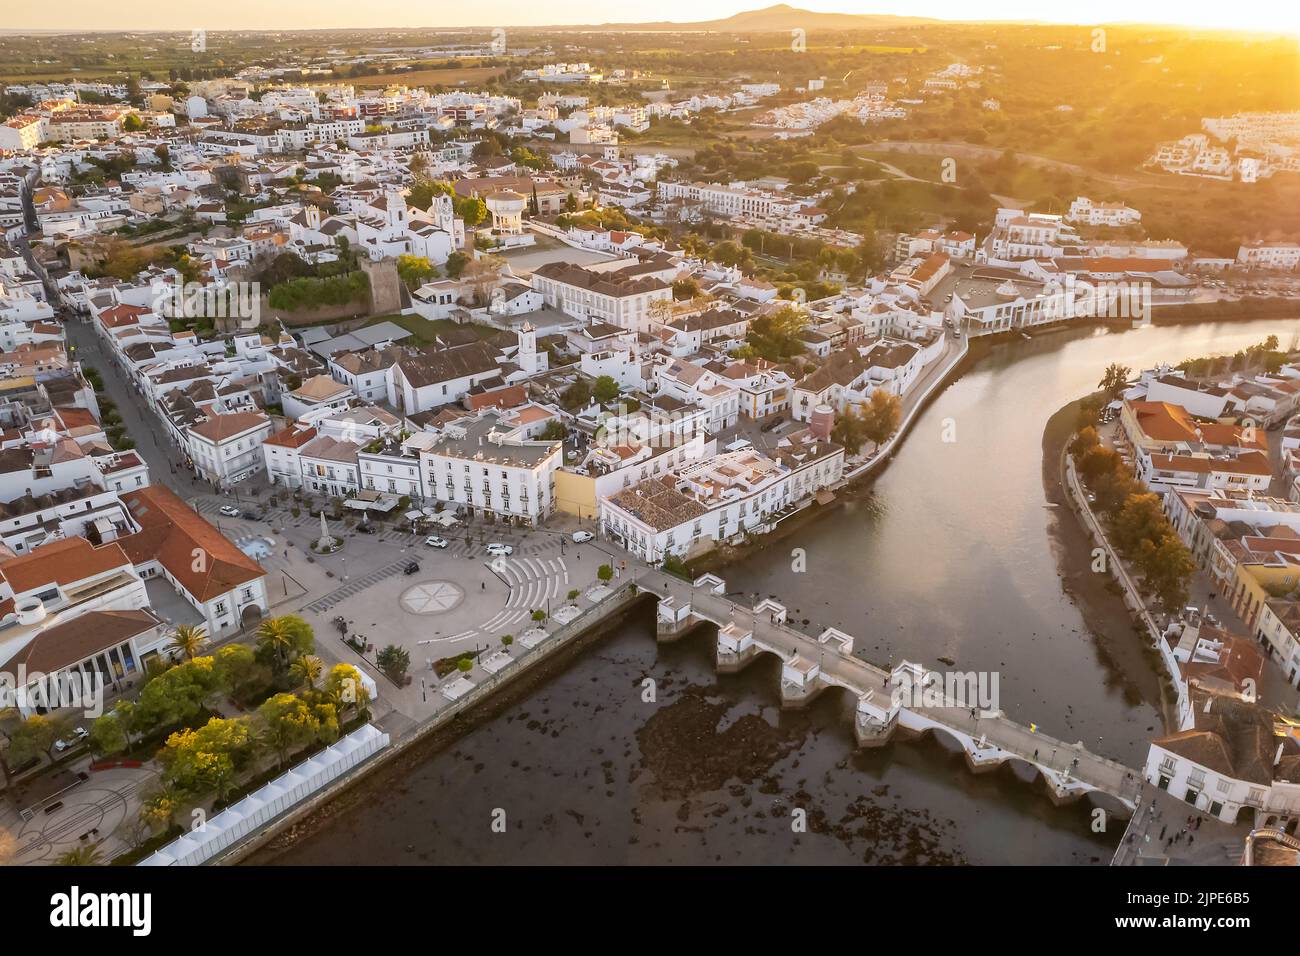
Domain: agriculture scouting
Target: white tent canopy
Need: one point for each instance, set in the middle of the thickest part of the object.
(264, 805)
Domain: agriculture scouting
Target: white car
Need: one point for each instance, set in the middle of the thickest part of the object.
(230, 511)
(74, 738)
(499, 550)
(582, 537)
(433, 541)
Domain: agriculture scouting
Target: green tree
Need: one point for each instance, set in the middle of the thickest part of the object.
(605, 390)
(36, 736)
(605, 573)
(1115, 379)
(345, 689)
(306, 670)
(849, 430)
(881, 416)
(188, 641)
(455, 264)
(176, 695)
(239, 671)
(577, 395)
(288, 724)
(414, 271)
(108, 734)
(394, 661)
(159, 807)
(1166, 567)
(210, 758)
(89, 855)
(285, 638)
(1140, 519)
(775, 336)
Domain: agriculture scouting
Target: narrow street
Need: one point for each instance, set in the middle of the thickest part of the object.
(141, 424)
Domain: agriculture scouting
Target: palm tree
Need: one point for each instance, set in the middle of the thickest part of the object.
(307, 669)
(189, 639)
(81, 856)
(275, 633)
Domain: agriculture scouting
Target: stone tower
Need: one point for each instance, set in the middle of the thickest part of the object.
(385, 285)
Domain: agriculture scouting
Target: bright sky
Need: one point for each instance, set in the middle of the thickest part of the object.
(83, 15)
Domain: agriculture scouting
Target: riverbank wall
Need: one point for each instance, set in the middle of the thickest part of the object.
(483, 703)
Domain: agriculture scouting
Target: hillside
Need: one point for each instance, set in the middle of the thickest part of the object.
(780, 17)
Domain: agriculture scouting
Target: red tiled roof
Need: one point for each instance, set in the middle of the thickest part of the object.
(220, 427)
(178, 538)
(291, 437)
(62, 562)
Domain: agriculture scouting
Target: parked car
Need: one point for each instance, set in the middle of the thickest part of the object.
(230, 511)
(366, 528)
(72, 739)
(582, 537)
(412, 568)
(433, 541)
(499, 550)
(253, 516)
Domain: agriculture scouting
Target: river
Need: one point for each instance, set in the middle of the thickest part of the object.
(951, 553)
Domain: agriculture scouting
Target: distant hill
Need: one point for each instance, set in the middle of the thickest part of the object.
(780, 17)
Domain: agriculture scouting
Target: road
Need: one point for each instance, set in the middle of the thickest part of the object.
(141, 424)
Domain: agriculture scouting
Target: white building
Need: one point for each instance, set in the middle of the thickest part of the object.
(1084, 210)
(717, 499)
(228, 448)
(481, 464)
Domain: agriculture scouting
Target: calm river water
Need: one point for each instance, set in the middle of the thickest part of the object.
(950, 555)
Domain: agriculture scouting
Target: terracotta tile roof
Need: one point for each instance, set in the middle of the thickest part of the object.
(73, 641)
(291, 437)
(172, 532)
(218, 428)
(62, 562)
(122, 315)
(320, 388)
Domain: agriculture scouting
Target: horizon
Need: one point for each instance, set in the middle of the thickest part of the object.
(127, 16)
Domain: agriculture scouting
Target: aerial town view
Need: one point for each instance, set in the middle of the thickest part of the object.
(673, 435)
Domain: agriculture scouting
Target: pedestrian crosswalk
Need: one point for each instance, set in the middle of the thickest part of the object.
(535, 584)
(355, 586)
